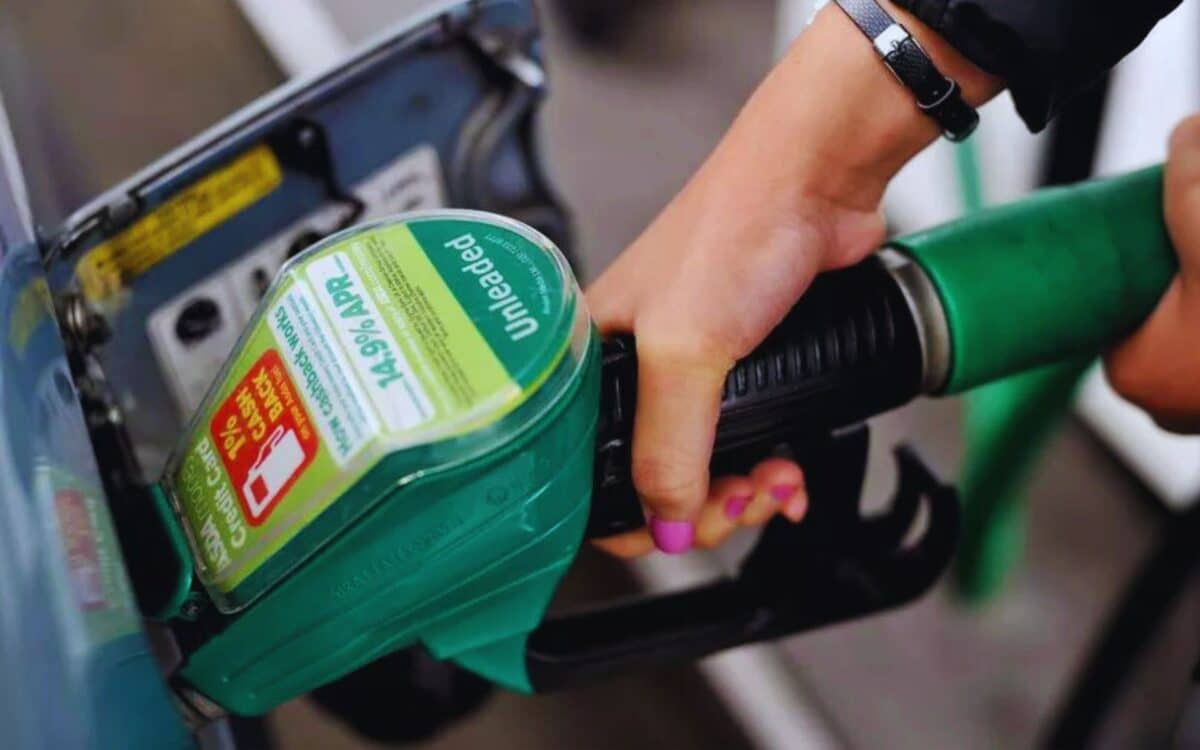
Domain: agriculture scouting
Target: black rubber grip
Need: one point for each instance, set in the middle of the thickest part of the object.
(847, 351)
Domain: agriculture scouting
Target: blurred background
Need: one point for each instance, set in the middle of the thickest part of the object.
(641, 91)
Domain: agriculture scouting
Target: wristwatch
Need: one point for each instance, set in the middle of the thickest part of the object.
(937, 96)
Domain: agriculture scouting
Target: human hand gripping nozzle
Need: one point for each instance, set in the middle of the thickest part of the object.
(420, 428)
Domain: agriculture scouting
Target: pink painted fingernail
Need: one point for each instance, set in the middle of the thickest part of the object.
(672, 537)
(735, 506)
(796, 509)
(783, 492)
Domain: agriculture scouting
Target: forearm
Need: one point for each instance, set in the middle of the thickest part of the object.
(1046, 50)
(832, 122)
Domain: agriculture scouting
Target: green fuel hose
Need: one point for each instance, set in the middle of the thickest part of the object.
(1088, 260)
(1061, 274)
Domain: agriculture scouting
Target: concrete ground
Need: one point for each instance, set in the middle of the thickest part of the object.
(623, 131)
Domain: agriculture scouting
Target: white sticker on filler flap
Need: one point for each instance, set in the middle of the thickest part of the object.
(193, 333)
(191, 336)
(412, 182)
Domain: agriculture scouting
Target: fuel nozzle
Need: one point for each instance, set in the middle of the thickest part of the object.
(1059, 275)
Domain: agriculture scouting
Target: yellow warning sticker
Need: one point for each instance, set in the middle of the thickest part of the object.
(178, 222)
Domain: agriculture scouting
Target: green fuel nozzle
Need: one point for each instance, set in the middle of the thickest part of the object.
(419, 429)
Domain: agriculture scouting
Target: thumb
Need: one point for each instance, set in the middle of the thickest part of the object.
(1181, 196)
(679, 400)
(1158, 367)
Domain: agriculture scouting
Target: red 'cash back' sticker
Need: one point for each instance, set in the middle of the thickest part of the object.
(264, 437)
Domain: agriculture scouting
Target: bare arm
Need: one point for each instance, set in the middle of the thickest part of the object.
(793, 189)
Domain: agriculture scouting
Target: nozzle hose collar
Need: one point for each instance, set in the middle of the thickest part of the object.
(933, 329)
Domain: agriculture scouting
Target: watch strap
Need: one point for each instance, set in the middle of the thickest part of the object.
(937, 96)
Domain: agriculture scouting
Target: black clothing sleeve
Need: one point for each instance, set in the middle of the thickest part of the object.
(1047, 50)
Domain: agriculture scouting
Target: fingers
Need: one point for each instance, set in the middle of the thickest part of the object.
(722, 512)
(1158, 367)
(774, 486)
(627, 546)
(778, 487)
(720, 517)
(783, 482)
(733, 503)
(679, 395)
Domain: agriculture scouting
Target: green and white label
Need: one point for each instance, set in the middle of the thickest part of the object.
(393, 388)
(397, 335)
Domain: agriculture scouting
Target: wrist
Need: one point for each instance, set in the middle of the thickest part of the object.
(845, 123)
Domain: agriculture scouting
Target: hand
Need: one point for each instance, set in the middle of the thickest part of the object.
(700, 289)
(793, 190)
(1158, 368)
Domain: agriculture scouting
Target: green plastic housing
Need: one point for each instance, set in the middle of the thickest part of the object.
(1060, 274)
(464, 561)
(454, 538)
